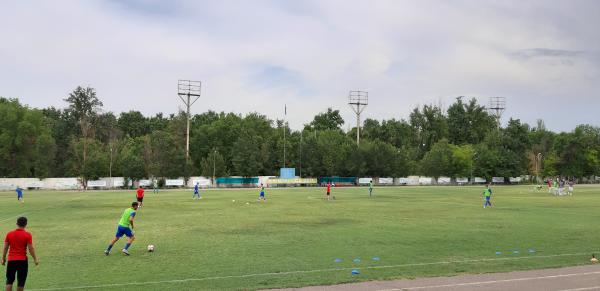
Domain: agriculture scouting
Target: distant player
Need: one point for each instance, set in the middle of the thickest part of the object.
(570, 189)
(328, 190)
(487, 194)
(16, 244)
(140, 195)
(196, 191)
(20, 194)
(155, 186)
(125, 227)
(371, 188)
(261, 196)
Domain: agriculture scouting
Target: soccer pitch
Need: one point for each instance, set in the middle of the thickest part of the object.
(294, 238)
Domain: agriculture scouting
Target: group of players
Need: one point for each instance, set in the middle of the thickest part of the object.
(19, 241)
(558, 185)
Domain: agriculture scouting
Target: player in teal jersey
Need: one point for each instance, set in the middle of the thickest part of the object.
(125, 227)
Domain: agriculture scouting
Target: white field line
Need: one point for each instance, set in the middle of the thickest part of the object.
(12, 217)
(583, 289)
(303, 272)
(496, 282)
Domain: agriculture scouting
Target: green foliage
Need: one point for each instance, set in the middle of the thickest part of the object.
(27, 148)
(462, 141)
(330, 120)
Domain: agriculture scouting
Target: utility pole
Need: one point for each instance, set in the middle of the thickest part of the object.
(358, 100)
(189, 92)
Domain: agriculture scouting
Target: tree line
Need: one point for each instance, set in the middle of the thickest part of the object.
(82, 140)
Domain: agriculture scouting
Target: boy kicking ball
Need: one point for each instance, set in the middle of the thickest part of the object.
(125, 227)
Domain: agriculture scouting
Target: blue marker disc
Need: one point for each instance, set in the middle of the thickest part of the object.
(356, 260)
(338, 260)
(355, 272)
(376, 259)
(498, 253)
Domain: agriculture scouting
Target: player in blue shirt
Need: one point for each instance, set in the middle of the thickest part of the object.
(196, 192)
(20, 194)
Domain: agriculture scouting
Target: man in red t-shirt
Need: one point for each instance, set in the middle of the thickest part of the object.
(16, 244)
(140, 195)
(329, 191)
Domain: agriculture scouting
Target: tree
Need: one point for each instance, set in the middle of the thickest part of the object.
(213, 164)
(438, 161)
(430, 126)
(83, 107)
(133, 124)
(83, 103)
(468, 123)
(131, 159)
(330, 120)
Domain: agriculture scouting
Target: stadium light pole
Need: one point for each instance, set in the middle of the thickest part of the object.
(538, 165)
(191, 91)
(214, 165)
(110, 166)
(356, 99)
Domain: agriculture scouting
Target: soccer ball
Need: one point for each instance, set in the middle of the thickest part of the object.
(594, 261)
(150, 248)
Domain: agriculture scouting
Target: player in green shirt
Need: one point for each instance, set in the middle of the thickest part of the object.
(370, 188)
(487, 193)
(125, 227)
(262, 193)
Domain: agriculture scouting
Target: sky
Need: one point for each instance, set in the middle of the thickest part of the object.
(258, 56)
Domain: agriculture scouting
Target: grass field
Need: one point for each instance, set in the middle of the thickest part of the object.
(295, 237)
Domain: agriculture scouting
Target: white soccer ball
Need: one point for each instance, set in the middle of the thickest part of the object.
(232, 200)
(150, 248)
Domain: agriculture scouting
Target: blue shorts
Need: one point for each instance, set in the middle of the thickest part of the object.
(262, 194)
(488, 198)
(121, 230)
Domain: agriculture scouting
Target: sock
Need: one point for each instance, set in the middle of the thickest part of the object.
(127, 245)
(109, 247)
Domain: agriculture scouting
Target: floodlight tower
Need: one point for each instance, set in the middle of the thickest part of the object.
(358, 100)
(497, 107)
(189, 92)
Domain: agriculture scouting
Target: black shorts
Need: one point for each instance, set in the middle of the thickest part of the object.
(328, 193)
(140, 200)
(18, 270)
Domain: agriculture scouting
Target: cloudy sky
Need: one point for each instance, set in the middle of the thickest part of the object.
(543, 56)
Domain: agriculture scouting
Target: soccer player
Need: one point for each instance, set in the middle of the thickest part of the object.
(155, 186)
(328, 190)
(262, 193)
(20, 194)
(16, 244)
(370, 188)
(125, 227)
(196, 191)
(140, 195)
(571, 184)
(487, 193)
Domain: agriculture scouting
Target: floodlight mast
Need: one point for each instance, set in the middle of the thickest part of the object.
(358, 100)
(497, 107)
(189, 92)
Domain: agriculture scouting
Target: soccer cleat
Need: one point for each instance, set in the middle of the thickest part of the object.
(106, 252)
(125, 252)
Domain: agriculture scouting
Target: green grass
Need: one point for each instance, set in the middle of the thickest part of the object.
(297, 230)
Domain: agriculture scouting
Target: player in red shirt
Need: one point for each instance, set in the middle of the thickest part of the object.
(329, 191)
(16, 244)
(140, 195)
